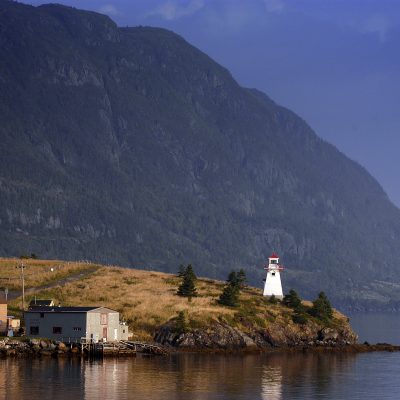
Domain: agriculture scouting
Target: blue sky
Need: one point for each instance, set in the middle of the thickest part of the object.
(334, 62)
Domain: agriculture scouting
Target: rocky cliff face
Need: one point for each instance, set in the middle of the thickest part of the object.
(130, 146)
(225, 337)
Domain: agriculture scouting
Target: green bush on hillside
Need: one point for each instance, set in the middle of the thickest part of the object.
(181, 325)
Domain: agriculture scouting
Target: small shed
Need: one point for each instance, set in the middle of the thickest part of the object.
(75, 323)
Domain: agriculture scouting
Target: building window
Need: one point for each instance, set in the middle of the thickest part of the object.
(34, 330)
(42, 315)
(273, 274)
(103, 319)
(77, 329)
(57, 330)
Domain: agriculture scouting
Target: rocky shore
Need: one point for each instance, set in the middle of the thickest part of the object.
(35, 348)
(46, 348)
(223, 337)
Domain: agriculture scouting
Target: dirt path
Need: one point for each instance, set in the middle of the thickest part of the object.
(13, 294)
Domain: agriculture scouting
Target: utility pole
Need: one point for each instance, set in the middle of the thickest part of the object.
(22, 272)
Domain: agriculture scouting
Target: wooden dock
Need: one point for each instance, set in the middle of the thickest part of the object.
(122, 347)
(148, 348)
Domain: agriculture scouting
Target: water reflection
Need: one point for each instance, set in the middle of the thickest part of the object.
(104, 379)
(271, 383)
(190, 376)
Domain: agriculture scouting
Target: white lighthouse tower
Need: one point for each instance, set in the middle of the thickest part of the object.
(273, 285)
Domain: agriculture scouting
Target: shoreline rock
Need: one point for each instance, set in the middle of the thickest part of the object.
(221, 336)
(34, 349)
(47, 348)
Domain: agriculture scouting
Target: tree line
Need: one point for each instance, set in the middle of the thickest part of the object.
(230, 295)
(321, 308)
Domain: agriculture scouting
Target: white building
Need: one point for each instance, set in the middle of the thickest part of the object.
(273, 285)
(74, 323)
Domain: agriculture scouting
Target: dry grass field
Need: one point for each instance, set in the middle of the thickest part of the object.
(145, 299)
(38, 272)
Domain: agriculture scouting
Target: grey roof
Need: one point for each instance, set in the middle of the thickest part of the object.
(61, 309)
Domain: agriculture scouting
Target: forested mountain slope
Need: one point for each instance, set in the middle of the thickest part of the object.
(130, 146)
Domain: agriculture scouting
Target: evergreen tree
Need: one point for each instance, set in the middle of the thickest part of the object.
(322, 308)
(292, 299)
(230, 295)
(181, 271)
(190, 272)
(233, 279)
(241, 277)
(181, 325)
(188, 286)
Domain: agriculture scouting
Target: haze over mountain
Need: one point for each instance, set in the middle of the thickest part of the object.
(335, 63)
(130, 146)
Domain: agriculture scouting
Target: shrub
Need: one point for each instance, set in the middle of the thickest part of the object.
(181, 325)
(273, 300)
(130, 281)
(299, 318)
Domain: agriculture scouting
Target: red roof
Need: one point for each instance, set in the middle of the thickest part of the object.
(274, 255)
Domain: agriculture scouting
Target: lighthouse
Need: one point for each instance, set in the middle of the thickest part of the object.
(273, 285)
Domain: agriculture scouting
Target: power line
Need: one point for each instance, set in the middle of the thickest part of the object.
(22, 275)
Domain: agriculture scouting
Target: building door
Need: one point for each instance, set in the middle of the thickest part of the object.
(105, 332)
(115, 334)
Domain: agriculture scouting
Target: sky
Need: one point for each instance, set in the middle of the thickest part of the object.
(336, 63)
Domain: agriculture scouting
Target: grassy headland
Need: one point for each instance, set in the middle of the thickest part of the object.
(148, 299)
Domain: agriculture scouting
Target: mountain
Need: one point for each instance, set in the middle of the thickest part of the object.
(130, 146)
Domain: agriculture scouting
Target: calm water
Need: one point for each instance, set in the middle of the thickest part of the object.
(377, 327)
(190, 376)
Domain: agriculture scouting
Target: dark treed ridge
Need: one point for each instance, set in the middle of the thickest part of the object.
(130, 146)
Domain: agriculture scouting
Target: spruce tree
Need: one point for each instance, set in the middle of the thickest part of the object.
(181, 271)
(241, 277)
(188, 286)
(292, 299)
(322, 308)
(230, 295)
(233, 279)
